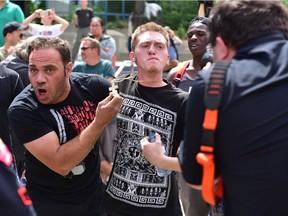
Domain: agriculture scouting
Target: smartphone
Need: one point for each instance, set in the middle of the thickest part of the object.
(44, 13)
(152, 136)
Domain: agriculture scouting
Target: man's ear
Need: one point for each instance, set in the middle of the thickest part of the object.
(224, 52)
(221, 48)
(132, 56)
(68, 69)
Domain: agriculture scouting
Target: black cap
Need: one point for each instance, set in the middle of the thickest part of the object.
(11, 27)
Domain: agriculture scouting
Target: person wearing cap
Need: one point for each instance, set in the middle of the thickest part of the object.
(47, 29)
(9, 12)
(13, 33)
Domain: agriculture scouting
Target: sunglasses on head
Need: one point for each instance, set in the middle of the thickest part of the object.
(85, 48)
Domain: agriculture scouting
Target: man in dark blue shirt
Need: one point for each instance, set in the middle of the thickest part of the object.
(251, 137)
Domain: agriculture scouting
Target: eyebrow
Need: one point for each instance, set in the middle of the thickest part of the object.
(45, 66)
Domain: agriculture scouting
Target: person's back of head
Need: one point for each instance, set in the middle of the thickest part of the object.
(238, 21)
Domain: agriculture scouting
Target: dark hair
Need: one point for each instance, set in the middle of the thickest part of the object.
(238, 21)
(101, 23)
(202, 20)
(150, 26)
(62, 46)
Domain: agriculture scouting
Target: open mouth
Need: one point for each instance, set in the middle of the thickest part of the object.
(42, 91)
(42, 94)
(194, 46)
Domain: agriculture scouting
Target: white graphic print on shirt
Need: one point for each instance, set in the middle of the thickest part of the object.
(134, 179)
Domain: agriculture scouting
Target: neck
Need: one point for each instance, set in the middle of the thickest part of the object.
(7, 45)
(2, 4)
(98, 37)
(93, 61)
(151, 80)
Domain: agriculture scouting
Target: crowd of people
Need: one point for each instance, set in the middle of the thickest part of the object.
(75, 139)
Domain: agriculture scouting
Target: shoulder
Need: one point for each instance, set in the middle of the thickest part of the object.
(78, 65)
(179, 92)
(106, 62)
(88, 80)
(171, 74)
(25, 100)
(12, 5)
(106, 37)
(180, 68)
(4, 71)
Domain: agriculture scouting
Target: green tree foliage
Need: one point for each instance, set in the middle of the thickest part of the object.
(178, 14)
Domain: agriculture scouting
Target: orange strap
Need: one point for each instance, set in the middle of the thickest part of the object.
(212, 98)
(22, 191)
(210, 119)
(206, 159)
(207, 162)
(181, 68)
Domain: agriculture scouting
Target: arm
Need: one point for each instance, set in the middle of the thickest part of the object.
(76, 21)
(64, 23)
(171, 74)
(190, 147)
(201, 10)
(109, 49)
(105, 169)
(176, 40)
(34, 15)
(63, 158)
(29, 19)
(154, 154)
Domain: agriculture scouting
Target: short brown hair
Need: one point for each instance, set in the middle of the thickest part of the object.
(150, 26)
(94, 43)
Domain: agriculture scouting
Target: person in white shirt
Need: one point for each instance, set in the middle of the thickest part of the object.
(47, 29)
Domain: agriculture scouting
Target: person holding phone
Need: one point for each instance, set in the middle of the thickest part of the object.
(47, 29)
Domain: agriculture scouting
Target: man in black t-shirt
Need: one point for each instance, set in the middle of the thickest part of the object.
(58, 119)
(149, 104)
(82, 19)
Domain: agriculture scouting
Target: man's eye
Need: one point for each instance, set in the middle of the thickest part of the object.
(201, 34)
(32, 70)
(50, 70)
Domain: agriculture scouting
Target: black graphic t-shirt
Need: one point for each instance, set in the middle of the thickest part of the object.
(134, 185)
(31, 120)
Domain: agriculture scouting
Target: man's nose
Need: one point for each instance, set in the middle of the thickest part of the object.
(151, 49)
(40, 77)
(193, 37)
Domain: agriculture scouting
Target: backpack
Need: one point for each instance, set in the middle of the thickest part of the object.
(212, 98)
